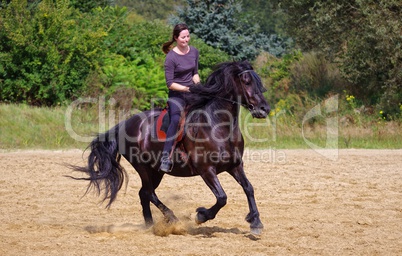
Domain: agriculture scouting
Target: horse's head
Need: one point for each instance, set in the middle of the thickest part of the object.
(250, 91)
(234, 82)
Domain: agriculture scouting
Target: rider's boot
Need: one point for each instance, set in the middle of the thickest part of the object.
(166, 163)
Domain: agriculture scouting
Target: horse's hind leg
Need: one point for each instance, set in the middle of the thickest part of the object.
(146, 209)
(167, 213)
(147, 194)
(253, 217)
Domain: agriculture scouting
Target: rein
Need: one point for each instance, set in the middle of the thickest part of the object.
(248, 106)
(231, 101)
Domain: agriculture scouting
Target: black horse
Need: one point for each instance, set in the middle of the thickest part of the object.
(212, 143)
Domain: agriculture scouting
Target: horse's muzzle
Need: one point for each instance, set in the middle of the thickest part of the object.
(261, 111)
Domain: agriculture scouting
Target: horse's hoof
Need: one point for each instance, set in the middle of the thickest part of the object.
(256, 231)
(149, 223)
(200, 217)
(171, 219)
(197, 221)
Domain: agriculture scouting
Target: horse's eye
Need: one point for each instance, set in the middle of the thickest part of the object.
(247, 81)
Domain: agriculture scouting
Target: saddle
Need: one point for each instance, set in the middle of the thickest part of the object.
(161, 126)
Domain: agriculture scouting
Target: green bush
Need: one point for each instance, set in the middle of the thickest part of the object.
(45, 53)
(141, 79)
(297, 82)
(51, 53)
(362, 36)
(133, 63)
(276, 73)
(316, 76)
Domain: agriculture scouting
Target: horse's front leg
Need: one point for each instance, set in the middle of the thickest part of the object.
(253, 217)
(211, 179)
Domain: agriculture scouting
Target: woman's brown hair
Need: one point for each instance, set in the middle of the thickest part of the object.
(176, 32)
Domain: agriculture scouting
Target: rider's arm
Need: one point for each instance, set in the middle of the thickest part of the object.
(178, 87)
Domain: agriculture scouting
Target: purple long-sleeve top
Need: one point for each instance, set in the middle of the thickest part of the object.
(181, 69)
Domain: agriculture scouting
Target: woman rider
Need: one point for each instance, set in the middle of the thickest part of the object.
(181, 71)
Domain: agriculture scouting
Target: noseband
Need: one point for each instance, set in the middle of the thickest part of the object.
(249, 106)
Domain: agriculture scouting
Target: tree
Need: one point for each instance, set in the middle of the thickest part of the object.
(151, 9)
(46, 52)
(362, 36)
(266, 14)
(51, 53)
(220, 24)
(86, 6)
(82, 5)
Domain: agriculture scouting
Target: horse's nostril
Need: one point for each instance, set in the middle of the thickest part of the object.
(266, 109)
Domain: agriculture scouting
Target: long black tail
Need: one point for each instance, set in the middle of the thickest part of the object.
(106, 175)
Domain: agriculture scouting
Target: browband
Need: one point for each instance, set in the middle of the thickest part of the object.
(245, 71)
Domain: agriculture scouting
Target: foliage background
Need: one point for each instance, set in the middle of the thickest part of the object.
(55, 51)
(52, 53)
(364, 39)
(225, 26)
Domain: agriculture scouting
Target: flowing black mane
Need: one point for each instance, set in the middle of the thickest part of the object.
(219, 85)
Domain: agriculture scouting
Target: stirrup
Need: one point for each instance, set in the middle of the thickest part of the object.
(166, 165)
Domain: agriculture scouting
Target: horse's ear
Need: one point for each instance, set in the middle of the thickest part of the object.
(247, 63)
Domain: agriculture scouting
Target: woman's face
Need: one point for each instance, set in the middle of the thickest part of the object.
(183, 38)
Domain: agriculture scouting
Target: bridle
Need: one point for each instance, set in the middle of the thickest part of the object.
(249, 106)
